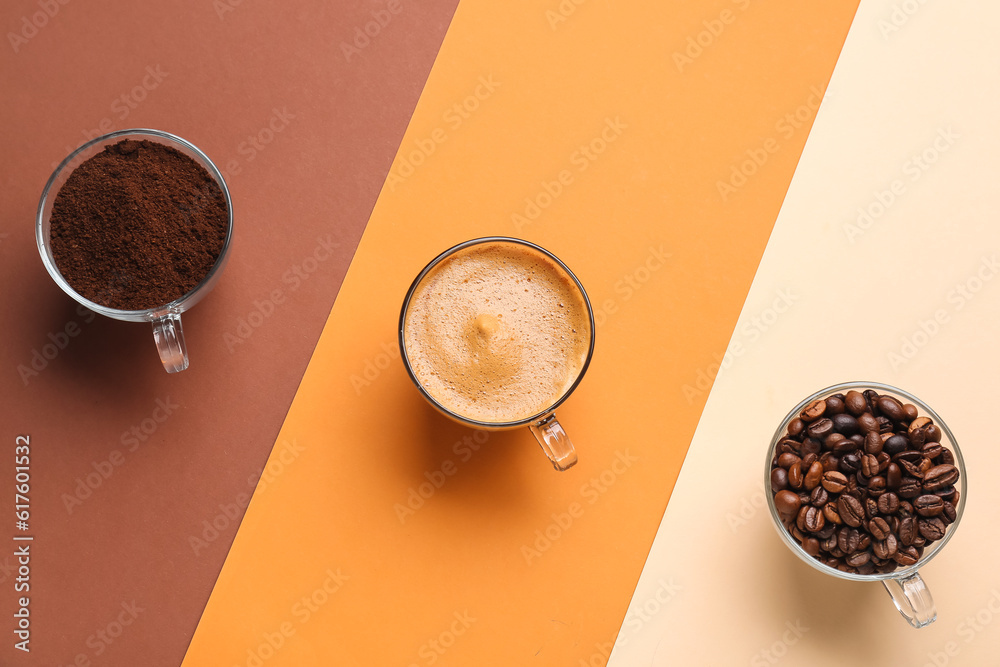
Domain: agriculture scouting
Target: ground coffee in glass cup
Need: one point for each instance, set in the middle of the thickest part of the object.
(864, 481)
(496, 333)
(136, 225)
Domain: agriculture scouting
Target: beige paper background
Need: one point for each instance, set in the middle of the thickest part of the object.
(719, 587)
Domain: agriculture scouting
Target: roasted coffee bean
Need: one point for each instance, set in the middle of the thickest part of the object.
(867, 568)
(829, 461)
(787, 503)
(891, 408)
(884, 425)
(911, 411)
(919, 541)
(795, 427)
(868, 423)
(848, 540)
(826, 531)
(886, 548)
(905, 508)
(871, 397)
(844, 446)
(855, 403)
(932, 450)
(947, 457)
(911, 468)
(800, 520)
(811, 546)
(804, 497)
(832, 439)
(895, 444)
(834, 481)
(808, 459)
(820, 497)
(820, 428)
(834, 405)
(814, 519)
(887, 567)
(858, 558)
(779, 479)
(940, 476)
(813, 411)
(879, 528)
(851, 510)
(869, 465)
(906, 556)
(928, 505)
(888, 503)
(845, 424)
(873, 443)
(829, 543)
(871, 508)
(933, 433)
(813, 475)
(796, 533)
(948, 513)
(787, 460)
(831, 514)
(876, 486)
(850, 463)
(907, 530)
(931, 529)
(908, 488)
(893, 476)
(810, 446)
(795, 476)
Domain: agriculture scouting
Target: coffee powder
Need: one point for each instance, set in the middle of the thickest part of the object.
(137, 225)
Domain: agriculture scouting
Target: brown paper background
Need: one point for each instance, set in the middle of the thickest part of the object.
(129, 542)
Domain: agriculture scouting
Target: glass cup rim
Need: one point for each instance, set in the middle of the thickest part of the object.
(175, 306)
(454, 415)
(925, 410)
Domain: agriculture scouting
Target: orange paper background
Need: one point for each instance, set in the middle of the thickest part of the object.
(506, 561)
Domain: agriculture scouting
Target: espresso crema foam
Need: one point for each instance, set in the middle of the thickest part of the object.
(497, 332)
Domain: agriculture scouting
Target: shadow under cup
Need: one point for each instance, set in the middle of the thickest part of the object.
(168, 333)
(547, 430)
(908, 591)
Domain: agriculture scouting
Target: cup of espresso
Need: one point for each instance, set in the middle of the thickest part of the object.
(496, 333)
(866, 482)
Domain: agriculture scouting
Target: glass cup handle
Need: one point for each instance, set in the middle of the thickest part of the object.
(169, 337)
(555, 443)
(913, 599)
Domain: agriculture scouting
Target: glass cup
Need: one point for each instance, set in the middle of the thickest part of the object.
(905, 586)
(547, 430)
(166, 319)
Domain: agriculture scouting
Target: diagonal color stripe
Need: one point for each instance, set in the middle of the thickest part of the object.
(650, 149)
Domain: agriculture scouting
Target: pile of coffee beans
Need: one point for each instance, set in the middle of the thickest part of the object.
(862, 482)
